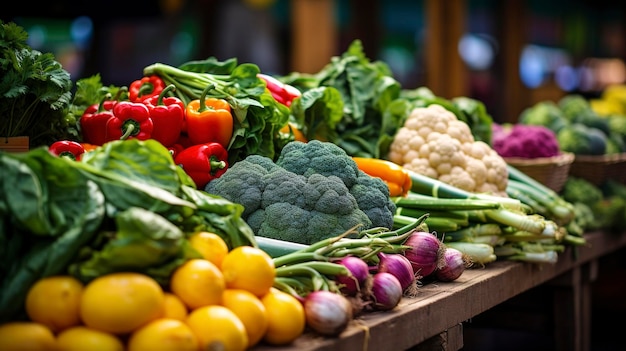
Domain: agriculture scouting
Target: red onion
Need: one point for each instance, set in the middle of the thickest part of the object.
(454, 265)
(351, 285)
(425, 252)
(400, 267)
(386, 291)
(327, 313)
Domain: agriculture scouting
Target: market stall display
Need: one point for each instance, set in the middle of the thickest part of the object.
(210, 147)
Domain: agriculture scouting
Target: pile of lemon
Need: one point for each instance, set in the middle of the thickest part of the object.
(223, 301)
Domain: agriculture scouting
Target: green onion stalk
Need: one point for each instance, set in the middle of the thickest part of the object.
(429, 194)
(530, 252)
(474, 232)
(547, 201)
(302, 269)
(478, 253)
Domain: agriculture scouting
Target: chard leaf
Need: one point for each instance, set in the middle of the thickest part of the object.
(143, 239)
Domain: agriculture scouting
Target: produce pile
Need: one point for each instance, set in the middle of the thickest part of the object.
(228, 197)
(579, 128)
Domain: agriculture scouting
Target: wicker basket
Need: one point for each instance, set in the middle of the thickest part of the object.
(550, 171)
(597, 169)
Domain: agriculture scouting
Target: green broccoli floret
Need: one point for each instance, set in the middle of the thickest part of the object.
(581, 190)
(246, 185)
(287, 222)
(319, 157)
(544, 113)
(579, 139)
(577, 109)
(583, 217)
(328, 159)
(369, 193)
(617, 124)
(615, 144)
(283, 205)
(609, 213)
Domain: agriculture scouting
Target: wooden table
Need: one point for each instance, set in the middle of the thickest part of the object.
(434, 319)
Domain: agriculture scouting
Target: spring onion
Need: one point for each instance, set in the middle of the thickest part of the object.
(553, 205)
(478, 253)
(529, 252)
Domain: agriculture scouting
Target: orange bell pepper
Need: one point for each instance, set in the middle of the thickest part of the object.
(297, 133)
(209, 120)
(395, 176)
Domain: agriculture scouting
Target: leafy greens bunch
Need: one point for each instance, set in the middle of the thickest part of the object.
(357, 104)
(124, 207)
(35, 91)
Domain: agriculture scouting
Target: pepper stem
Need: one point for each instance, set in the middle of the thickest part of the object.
(101, 104)
(203, 106)
(129, 129)
(145, 89)
(216, 164)
(165, 90)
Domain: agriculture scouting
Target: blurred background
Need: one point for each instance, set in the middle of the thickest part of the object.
(508, 54)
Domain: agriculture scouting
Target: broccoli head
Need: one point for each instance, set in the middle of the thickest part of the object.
(283, 205)
(319, 157)
(581, 190)
(544, 113)
(577, 109)
(372, 196)
(328, 159)
(609, 213)
(579, 139)
(617, 124)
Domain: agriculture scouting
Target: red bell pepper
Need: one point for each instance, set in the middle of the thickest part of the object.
(167, 114)
(209, 120)
(145, 87)
(203, 162)
(67, 148)
(131, 120)
(283, 93)
(175, 150)
(93, 122)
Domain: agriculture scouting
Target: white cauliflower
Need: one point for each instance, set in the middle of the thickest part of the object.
(434, 143)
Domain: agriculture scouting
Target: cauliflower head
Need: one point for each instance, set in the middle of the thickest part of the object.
(435, 143)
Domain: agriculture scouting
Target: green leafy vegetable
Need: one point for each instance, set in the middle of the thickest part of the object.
(366, 88)
(98, 216)
(35, 91)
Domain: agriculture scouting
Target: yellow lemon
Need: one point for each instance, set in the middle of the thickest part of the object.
(285, 315)
(249, 308)
(218, 328)
(119, 303)
(174, 307)
(198, 282)
(55, 302)
(81, 338)
(249, 268)
(26, 336)
(163, 334)
(210, 245)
